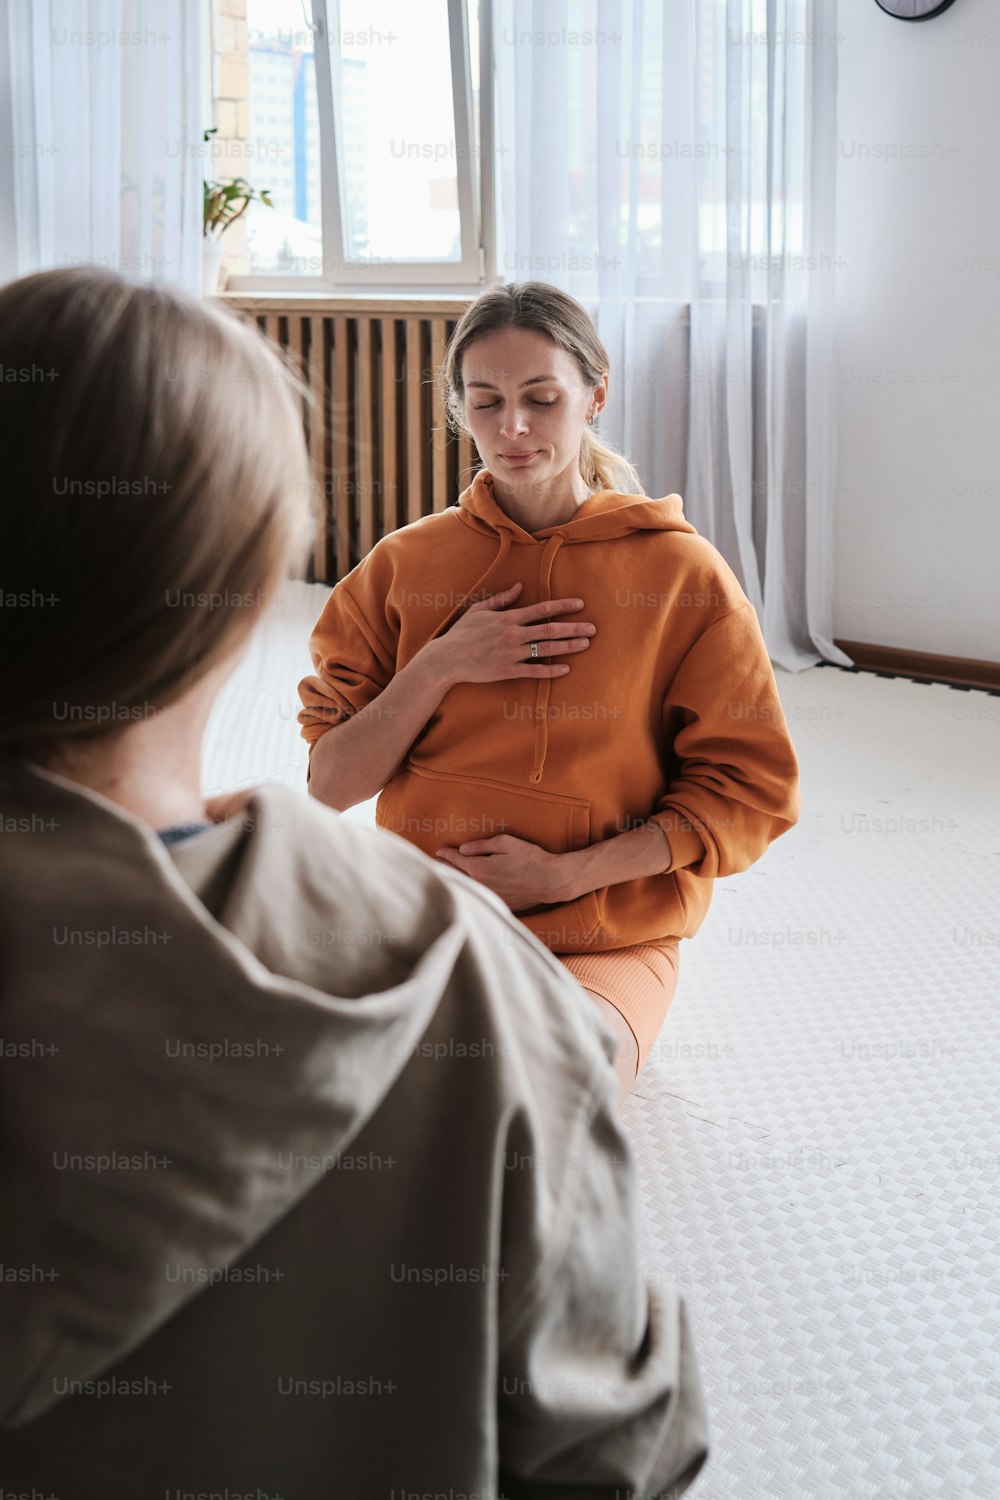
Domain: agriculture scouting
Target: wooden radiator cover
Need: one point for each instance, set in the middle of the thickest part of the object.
(380, 450)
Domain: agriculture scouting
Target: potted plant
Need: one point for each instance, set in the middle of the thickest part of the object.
(224, 202)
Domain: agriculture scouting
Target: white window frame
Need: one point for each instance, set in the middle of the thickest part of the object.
(475, 179)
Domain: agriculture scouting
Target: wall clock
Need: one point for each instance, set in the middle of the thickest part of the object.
(913, 10)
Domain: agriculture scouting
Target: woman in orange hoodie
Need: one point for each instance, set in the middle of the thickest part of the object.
(557, 685)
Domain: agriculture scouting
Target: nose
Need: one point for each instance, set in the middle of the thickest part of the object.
(513, 422)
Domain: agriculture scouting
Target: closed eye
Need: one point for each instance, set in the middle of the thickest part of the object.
(487, 406)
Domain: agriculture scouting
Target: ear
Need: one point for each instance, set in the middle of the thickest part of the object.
(599, 398)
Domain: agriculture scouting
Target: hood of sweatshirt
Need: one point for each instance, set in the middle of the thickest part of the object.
(167, 1095)
(606, 516)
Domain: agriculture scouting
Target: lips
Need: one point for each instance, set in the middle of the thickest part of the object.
(517, 458)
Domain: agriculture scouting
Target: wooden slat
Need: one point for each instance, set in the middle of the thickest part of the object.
(296, 356)
(296, 326)
(364, 396)
(388, 433)
(414, 425)
(271, 328)
(340, 445)
(318, 415)
(439, 431)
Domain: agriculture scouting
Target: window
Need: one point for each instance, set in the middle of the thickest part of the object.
(361, 120)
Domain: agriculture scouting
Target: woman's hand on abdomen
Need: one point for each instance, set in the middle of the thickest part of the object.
(521, 873)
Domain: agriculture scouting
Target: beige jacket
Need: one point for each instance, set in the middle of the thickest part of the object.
(312, 1183)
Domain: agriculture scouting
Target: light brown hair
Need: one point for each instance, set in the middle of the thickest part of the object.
(543, 309)
(153, 491)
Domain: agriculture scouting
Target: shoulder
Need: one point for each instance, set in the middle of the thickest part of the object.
(700, 575)
(400, 554)
(415, 539)
(372, 905)
(356, 892)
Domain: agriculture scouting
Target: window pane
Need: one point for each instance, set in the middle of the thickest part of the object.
(283, 141)
(397, 118)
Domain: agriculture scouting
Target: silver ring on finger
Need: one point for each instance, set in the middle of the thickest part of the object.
(534, 651)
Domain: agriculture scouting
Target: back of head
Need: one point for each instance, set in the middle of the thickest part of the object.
(544, 309)
(153, 492)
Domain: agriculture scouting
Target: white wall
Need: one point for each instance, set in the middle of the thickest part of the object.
(918, 293)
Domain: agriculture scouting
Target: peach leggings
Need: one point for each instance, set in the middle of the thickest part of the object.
(640, 982)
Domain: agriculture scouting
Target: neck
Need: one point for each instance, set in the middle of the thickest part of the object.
(535, 506)
(152, 768)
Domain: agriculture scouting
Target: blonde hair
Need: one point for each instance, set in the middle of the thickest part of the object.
(543, 309)
(154, 489)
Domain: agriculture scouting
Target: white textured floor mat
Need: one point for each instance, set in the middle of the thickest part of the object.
(818, 1129)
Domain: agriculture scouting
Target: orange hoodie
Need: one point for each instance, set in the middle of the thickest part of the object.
(672, 713)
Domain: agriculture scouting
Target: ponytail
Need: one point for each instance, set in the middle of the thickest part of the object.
(604, 468)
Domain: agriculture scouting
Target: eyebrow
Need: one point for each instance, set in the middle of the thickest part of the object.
(484, 385)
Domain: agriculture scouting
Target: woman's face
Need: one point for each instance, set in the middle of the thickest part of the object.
(527, 406)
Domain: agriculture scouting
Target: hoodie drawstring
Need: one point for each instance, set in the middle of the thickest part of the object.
(503, 549)
(544, 689)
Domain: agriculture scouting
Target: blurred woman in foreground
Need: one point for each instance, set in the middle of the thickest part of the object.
(311, 1172)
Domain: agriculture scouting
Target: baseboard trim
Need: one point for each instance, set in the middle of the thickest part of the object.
(956, 671)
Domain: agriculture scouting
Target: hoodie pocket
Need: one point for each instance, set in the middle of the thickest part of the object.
(442, 809)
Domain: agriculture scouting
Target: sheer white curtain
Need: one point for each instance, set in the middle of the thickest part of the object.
(673, 166)
(105, 119)
(761, 471)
